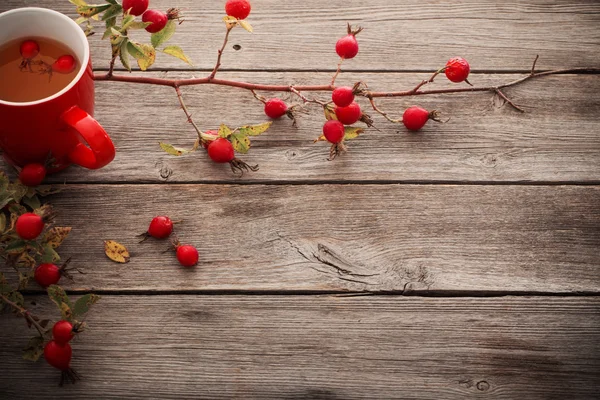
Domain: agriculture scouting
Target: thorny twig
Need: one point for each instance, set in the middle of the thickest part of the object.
(24, 313)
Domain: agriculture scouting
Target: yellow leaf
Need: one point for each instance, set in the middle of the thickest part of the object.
(352, 132)
(230, 22)
(55, 236)
(329, 113)
(224, 131)
(255, 130)
(149, 57)
(116, 251)
(246, 25)
(177, 52)
(320, 139)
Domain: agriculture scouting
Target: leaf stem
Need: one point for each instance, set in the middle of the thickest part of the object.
(187, 113)
(24, 313)
(337, 72)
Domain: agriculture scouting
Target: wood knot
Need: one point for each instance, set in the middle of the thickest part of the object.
(483, 386)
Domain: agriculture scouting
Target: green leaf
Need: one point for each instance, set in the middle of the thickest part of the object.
(24, 279)
(139, 25)
(224, 131)
(83, 304)
(172, 150)
(91, 10)
(49, 255)
(16, 247)
(255, 130)
(5, 288)
(135, 50)
(164, 34)
(352, 132)
(112, 2)
(32, 202)
(78, 2)
(127, 21)
(62, 301)
(149, 57)
(112, 12)
(246, 25)
(176, 51)
(17, 190)
(240, 142)
(34, 349)
(124, 55)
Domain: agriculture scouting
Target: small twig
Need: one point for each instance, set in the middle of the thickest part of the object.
(24, 313)
(533, 66)
(221, 50)
(383, 113)
(306, 99)
(337, 72)
(258, 97)
(111, 66)
(509, 101)
(187, 113)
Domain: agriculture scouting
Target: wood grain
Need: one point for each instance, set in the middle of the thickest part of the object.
(399, 36)
(288, 347)
(556, 141)
(401, 238)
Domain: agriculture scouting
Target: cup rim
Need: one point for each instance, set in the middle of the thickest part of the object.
(84, 62)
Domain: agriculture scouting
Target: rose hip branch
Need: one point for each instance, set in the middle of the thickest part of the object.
(341, 107)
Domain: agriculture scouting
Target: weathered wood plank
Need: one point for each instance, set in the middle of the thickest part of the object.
(340, 237)
(289, 347)
(399, 36)
(556, 141)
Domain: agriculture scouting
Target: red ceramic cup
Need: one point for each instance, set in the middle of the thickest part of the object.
(59, 127)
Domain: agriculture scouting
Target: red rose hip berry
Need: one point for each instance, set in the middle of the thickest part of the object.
(64, 64)
(221, 151)
(29, 226)
(334, 131)
(29, 49)
(32, 174)
(47, 274)
(135, 7)
(239, 9)
(59, 356)
(347, 47)
(348, 115)
(415, 118)
(457, 69)
(157, 18)
(343, 96)
(160, 227)
(187, 255)
(62, 332)
(275, 108)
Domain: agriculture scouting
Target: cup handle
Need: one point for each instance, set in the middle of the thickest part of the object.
(101, 149)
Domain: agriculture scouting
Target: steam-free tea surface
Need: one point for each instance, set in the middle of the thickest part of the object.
(24, 80)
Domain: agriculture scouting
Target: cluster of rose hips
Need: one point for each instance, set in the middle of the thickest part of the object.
(157, 19)
(58, 351)
(29, 226)
(64, 64)
(161, 227)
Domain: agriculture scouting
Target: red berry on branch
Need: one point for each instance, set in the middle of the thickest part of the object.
(415, 118)
(342, 96)
(59, 356)
(239, 9)
(64, 64)
(275, 108)
(348, 115)
(47, 274)
(29, 226)
(187, 255)
(32, 174)
(62, 332)
(157, 18)
(29, 49)
(135, 7)
(161, 227)
(221, 151)
(457, 69)
(211, 133)
(347, 47)
(334, 131)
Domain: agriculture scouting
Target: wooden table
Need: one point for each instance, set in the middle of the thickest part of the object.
(461, 262)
